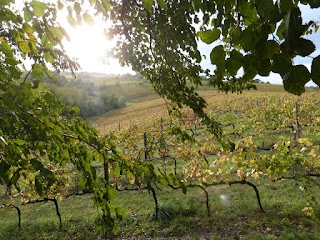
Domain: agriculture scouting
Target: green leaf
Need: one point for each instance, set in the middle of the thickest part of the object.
(147, 4)
(27, 14)
(106, 4)
(6, 49)
(284, 5)
(15, 177)
(60, 5)
(292, 30)
(209, 36)
(48, 57)
(183, 186)
(71, 20)
(304, 47)
(234, 63)
(57, 33)
(315, 70)
(117, 170)
(48, 175)
(19, 142)
(15, 72)
(38, 8)
(111, 192)
(264, 67)
(270, 49)
(38, 184)
(249, 38)
(265, 8)
(281, 64)
(4, 167)
(24, 46)
(312, 3)
(248, 11)
(74, 110)
(162, 4)
(77, 8)
(27, 28)
(65, 155)
(295, 80)
(37, 165)
(217, 55)
(88, 18)
(11, 61)
(119, 212)
(65, 33)
(37, 71)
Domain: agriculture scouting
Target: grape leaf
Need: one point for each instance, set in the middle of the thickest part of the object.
(281, 64)
(60, 5)
(217, 55)
(38, 8)
(312, 3)
(77, 8)
(27, 14)
(209, 36)
(147, 4)
(24, 46)
(315, 70)
(265, 8)
(4, 167)
(293, 24)
(295, 80)
(88, 18)
(304, 47)
(284, 5)
(38, 184)
(36, 164)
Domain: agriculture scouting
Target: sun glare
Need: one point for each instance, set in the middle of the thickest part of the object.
(88, 45)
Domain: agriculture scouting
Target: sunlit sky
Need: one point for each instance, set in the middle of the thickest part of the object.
(90, 46)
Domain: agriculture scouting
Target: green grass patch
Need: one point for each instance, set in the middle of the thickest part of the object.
(234, 215)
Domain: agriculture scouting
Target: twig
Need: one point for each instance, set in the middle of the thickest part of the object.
(255, 189)
(55, 203)
(18, 211)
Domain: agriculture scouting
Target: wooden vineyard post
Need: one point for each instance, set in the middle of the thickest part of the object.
(145, 146)
(298, 129)
(162, 142)
(106, 176)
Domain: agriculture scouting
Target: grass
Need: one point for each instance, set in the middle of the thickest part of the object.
(234, 215)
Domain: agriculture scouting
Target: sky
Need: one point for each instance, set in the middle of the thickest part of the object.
(90, 46)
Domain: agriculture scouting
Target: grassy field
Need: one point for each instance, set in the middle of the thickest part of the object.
(234, 215)
(234, 209)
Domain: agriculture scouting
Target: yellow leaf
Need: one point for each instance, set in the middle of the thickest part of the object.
(132, 180)
(312, 153)
(241, 174)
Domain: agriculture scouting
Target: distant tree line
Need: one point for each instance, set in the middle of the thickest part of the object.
(91, 99)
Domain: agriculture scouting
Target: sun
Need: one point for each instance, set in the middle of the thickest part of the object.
(89, 45)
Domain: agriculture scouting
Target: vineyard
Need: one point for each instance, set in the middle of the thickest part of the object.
(270, 145)
(108, 159)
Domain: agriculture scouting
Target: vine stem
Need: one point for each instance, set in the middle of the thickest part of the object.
(255, 189)
(155, 201)
(18, 211)
(54, 200)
